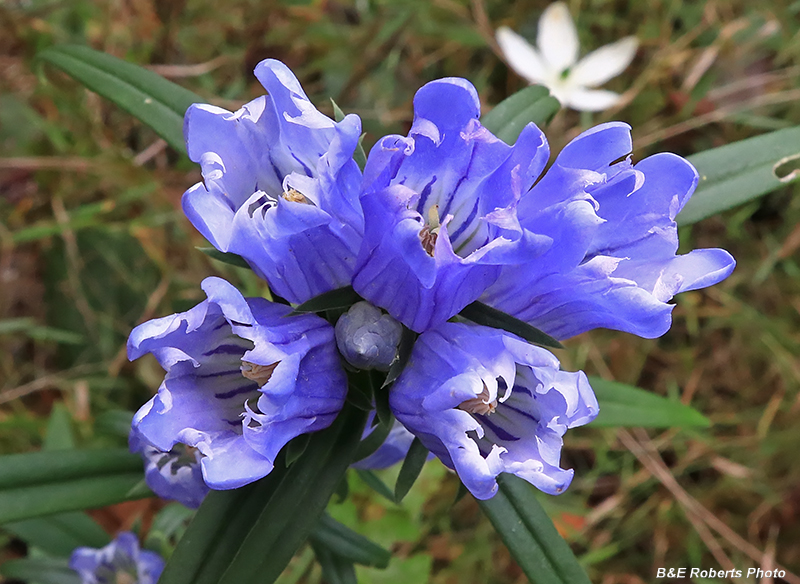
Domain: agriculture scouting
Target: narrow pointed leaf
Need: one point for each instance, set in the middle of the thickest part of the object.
(373, 482)
(740, 172)
(37, 500)
(59, 535)
(293, 510)
(225, 257)
(626, 405)
(510, 116)
(339, 298)
(349, 545)
(40, 570)
(480, 313)
(156, 102)
(407, 340)
(530, 535)
(37, 468)
(296, 448)
(248, 535)
(412, 466)
(216, 533)
(375, 439)
(335, 569)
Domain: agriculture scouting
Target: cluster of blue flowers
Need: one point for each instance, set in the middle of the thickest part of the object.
(438, 219)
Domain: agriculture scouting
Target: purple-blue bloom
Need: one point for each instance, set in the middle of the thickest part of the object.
(243, 378)
(612, 262)
(280, 186)
(119, 561)
(174, 475)
(485, 401)
(439, 208)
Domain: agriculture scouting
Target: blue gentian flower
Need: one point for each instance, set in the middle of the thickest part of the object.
(243, 378)
(612, 262)
(439, 208)
(485, 401)
(174, 475)
(280, 186)
(119, 561)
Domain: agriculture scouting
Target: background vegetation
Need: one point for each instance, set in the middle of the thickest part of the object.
(92, 242)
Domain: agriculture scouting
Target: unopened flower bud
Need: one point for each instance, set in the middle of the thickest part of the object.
(368, 338)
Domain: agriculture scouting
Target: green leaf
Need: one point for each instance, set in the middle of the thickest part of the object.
(375, 439)
(335, 569)
(625, 405)
(69, 495)
(530, 535)
(28, 327)
(156, 102)
(412, 466)
(338, 114)
(225, 257)
(59, 430)
(510, 116)
(248, 535)
(296, 447)
(40, 570)
(349, 545)
(59, 535)
(114, 423)
(339, 298)
(407, 340)
(480, 313)
(294, 509)
(37, 468)
(373, 482)
(740, 172)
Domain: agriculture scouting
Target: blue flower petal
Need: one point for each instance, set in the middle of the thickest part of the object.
(440, 208)
(280, 186)
(243, 378)
(612, 261)
(174, 475)
(121, 560)
(486, 402)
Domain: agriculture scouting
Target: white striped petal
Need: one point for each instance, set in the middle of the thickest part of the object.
(605, 63)
(521, 56)
(558, 38)
(590, 100)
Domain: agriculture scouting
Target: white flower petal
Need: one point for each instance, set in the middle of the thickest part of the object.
(606, 62)
(558, 38)
(521, 56)
(590, 100)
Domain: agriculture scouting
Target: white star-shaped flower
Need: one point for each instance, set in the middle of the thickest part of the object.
(554, 61)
